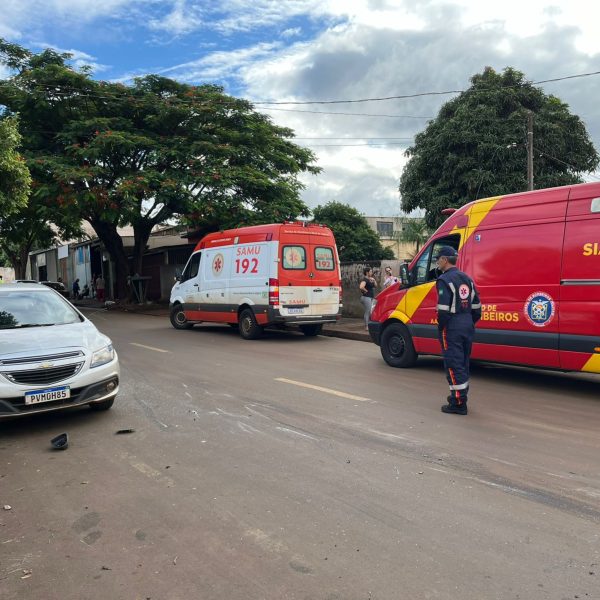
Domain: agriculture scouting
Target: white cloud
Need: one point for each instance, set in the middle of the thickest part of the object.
(292, 32)
(356, 59)
(219, 65)
(79, 58)
(184, 18)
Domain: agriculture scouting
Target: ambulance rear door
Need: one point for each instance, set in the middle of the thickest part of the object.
(294, 280)
(324, 274)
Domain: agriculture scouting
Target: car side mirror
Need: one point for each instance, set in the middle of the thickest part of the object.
(177, 278)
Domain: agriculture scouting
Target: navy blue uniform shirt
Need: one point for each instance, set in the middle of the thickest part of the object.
(457, 298)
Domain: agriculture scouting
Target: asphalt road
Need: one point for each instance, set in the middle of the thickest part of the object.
(302, 468)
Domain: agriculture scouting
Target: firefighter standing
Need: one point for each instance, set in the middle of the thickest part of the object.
(458, 308)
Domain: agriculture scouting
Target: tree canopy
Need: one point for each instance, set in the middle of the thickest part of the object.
(141, 154)
(476, 147)
(355, 239)
(14, 174)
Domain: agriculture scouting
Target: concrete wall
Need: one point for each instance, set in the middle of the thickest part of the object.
(8, 274)
(352, 273)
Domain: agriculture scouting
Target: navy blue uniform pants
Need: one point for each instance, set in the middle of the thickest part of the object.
(456, 340)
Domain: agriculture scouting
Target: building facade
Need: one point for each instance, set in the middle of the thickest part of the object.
(389, 230)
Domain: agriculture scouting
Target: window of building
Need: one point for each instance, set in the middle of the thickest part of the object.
(385, 228)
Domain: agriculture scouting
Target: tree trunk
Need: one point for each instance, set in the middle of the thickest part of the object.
(142, 230)
(18, 260)
(20, 265)
(107, 233)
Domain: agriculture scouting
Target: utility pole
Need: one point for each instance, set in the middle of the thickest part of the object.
(529, 150)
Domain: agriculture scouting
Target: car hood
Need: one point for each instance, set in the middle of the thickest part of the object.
(40, 341)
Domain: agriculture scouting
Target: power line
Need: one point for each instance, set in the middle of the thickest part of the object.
(352, 138)
(349, 114)
(566, 164)
(421, 94)
(354, 145)
(307, 102)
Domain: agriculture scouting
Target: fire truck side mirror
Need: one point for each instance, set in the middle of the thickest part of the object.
(404, 275)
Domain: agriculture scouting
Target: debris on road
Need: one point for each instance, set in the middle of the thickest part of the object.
(26, 573)
(60, 442)
(122, 431)
(7, 507)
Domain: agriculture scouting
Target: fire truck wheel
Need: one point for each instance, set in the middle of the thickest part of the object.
(178, 319)
(311, 330)
(249, 328)
(397, 347)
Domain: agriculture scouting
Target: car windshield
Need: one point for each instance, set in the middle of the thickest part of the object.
(25, 308)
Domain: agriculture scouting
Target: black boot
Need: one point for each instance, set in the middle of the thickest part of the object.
(455, 409)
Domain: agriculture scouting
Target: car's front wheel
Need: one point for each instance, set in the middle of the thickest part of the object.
(397, 346)
(103, 405)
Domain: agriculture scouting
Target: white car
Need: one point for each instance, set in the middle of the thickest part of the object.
(51, 356)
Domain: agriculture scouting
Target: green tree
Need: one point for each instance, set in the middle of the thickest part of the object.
(476, 147)
(412, 231)
(355, 239)
(14, 175)
(23, 231)
(142, 154)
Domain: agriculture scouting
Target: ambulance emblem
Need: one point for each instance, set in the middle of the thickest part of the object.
(539, 309)
(463, 291)
(217, 265)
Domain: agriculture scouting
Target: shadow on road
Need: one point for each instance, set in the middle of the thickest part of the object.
(54, 423)
(528, 379)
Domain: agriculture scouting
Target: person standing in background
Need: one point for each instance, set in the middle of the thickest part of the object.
(389, 278)
(100, 288)
(367, 287)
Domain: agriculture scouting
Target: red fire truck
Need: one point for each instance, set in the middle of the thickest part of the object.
(535, 258)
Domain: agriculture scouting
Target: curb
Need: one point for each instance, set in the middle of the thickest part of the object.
(347, 335)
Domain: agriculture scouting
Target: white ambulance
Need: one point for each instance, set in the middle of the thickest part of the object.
(261, 276)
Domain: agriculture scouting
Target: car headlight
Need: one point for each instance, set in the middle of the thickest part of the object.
(102, 356)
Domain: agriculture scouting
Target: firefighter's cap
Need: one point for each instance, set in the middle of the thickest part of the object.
(446, 251)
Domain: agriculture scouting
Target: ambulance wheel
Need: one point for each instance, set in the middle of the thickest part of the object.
(249, 328)
(311, 330)
(397, 347)
(178, 318)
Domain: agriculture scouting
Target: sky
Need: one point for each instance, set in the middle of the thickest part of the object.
(286, 51)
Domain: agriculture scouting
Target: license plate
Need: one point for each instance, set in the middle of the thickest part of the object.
(49, 395)
(295, 311)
